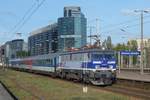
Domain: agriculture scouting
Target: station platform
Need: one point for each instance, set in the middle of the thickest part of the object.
(4, 95)
(130, 75)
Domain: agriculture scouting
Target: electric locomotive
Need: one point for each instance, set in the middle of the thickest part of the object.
(95, 66)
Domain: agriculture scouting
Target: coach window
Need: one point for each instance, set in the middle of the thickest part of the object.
(51, 62)
(62, 58)
(66, 57)
(81, 57)
(74, 57)
(48, 61)
(70, 56)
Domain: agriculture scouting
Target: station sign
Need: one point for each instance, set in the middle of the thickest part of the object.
(130, 53)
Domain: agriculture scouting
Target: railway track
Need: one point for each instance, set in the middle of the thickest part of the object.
(119, 87)
(130, 91)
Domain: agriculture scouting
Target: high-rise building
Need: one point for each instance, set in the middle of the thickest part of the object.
(2, 54)
(10, 49)
(71, 29)
(72, 11)
(43, 40)
(16, 46)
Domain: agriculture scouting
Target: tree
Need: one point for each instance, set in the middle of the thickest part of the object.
(21, 54)
(132, 45)
(109, 43)
(104, 44)
(148, 42)
(120, 47)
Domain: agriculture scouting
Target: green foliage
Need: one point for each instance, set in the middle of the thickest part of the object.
(21, 54)
(132, 45)
(109, 43)
(120, 47)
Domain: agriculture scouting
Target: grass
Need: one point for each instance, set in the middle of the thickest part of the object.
(35, 87)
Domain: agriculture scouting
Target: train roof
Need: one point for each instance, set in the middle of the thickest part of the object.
(45, 56)
(89, 51)
(52, 55)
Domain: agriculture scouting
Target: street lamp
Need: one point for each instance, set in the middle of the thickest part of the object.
(123, 30)
(130, 61)
(142, 44)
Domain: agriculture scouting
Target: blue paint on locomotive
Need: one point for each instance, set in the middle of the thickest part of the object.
(100, 64)
(99, 61)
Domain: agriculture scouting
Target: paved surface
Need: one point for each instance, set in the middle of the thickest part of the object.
(4, 95)
(133, 76)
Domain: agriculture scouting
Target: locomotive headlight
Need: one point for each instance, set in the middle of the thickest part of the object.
(111, 62)
(97, 62)
(113, 71)
(97, 66)
(111, 66)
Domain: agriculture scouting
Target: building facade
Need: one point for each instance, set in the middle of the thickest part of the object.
(17, 45)
(10, 48)
(147, 54)
(43, 40)
(2, 56)
(146, 51)
(146, 43)
(71, 29)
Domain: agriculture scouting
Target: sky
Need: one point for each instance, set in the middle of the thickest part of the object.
(116, 18)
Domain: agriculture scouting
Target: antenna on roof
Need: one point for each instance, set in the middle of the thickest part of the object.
(18, 34)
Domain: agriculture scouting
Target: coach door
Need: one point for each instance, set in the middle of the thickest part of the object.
(55, 64)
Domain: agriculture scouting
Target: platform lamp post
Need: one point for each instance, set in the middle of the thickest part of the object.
(142, 43)
(129, 60)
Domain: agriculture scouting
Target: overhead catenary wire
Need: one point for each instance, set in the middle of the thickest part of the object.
(23, 18)
(127, 27)
(28, 18)
(123, 23)
(113, 26)
(108, 26)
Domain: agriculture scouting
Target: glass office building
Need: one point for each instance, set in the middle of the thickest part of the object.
(43, 40)
(71, 29)
(10, 48)
(16, 46)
